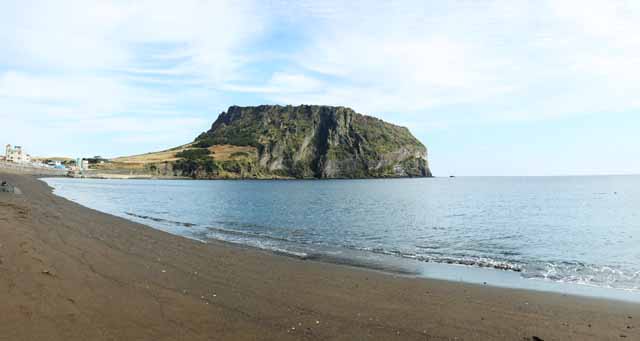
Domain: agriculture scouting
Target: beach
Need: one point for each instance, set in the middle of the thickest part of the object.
(71, 273)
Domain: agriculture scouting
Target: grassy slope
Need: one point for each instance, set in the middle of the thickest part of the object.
(301, 139)
(141, 163)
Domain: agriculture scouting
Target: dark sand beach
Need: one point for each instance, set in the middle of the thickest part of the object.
(71, 273)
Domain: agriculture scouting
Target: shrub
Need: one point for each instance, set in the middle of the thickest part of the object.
(239, 154)
(194, 154)
(232, 166)
(203, 144)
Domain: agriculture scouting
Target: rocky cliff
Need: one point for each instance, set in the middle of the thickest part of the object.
(305, 141)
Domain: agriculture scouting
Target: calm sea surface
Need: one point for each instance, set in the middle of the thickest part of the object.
(580, 230)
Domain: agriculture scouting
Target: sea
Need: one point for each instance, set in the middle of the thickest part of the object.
(573, 235)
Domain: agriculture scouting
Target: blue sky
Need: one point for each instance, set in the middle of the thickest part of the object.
(491, 87)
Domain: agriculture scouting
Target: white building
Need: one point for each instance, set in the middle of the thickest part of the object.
(82, 164)
(16, 154)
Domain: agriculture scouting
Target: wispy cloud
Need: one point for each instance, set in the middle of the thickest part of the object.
(548, 59)
(137, 72)
(88, 65)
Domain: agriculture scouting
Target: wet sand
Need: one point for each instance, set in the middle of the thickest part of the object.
(71, 273)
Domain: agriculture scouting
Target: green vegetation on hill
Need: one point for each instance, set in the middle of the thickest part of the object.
(194, 154)
(306, 142)
(200, 163)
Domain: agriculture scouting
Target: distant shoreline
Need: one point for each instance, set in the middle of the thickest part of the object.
(106, 176)
(150, 177)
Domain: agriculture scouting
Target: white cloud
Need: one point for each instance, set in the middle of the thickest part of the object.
(392, 57)
(283, 83)
(65, 35)
(118, 67)
(503, 60)
(124, 67)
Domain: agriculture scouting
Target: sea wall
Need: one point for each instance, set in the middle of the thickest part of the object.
(25, 168)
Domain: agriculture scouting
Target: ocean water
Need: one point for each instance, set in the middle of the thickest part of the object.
(561, 232)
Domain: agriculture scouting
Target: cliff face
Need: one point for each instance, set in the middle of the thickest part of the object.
(317, 142)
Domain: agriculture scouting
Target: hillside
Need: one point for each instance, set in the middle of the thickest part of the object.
(305, 141)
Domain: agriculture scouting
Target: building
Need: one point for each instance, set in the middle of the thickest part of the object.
(16, 154)
(82, 164)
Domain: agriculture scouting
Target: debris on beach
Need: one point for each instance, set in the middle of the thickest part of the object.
(5, 187)
(48, 273)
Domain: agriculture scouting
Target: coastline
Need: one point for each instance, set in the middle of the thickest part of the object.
(72, 273)
(113, 176)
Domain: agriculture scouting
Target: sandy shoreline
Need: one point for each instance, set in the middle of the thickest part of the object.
(71, 273)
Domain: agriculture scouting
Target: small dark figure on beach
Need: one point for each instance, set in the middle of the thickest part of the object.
(5, 187)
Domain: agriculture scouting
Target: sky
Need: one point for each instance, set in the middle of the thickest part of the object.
(490, 87)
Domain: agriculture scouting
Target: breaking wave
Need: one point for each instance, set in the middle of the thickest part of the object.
(556, 271)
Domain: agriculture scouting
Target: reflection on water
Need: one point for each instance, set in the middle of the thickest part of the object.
(581, 230)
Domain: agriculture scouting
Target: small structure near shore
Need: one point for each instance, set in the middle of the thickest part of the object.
(5, 187)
